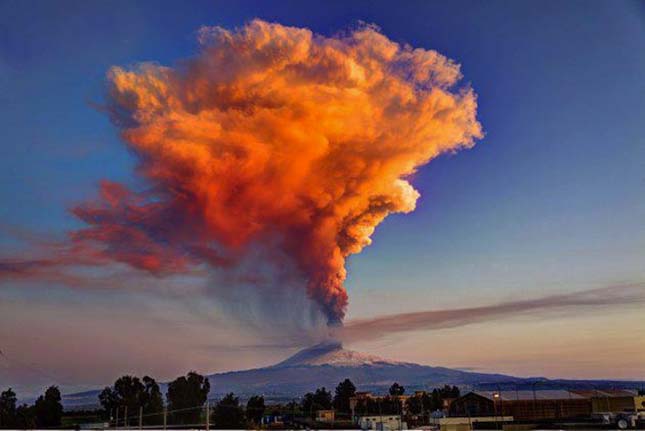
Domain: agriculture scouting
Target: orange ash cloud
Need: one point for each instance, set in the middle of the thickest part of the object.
(272, 134)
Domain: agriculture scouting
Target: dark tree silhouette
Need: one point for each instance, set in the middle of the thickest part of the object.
(228, 414)
(376, 406)
(25, 417)
(109, 400)
(152, 402)
(255, 409)
(130, 392)
(414, 405)
(438, 395)
(344, 391)
(320, 400)
(8, 409)
(396, 390)
(48, 409)
(188, 393)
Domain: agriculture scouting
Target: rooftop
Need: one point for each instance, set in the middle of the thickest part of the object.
(530, 395)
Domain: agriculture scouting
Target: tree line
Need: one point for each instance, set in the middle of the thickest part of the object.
(133, 401)
(186, 396)
(46, 412)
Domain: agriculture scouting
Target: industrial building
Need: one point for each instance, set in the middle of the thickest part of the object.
(523, 405)
(613, 400)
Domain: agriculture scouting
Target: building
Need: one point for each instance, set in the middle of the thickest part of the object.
(446, 402)
(542, 405)
(272, 420)
(469, 423)
(327, 416)
(614, 400)
(382, 423)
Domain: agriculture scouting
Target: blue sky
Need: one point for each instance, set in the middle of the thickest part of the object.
(551, 200)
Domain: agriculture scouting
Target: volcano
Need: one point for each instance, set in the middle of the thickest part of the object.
(328, 363)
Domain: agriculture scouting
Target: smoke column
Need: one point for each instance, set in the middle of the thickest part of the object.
(272, 136)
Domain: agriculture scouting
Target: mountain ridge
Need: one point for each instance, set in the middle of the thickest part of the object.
(328, 363)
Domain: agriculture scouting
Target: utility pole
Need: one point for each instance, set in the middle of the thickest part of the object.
(398, 409)
(208, 416)
(495, 396)
(534, 400)
(140, 418)
(165, 415)
(125, 418)
(116, 421)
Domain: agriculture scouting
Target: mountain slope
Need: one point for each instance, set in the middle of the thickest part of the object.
(327, 364)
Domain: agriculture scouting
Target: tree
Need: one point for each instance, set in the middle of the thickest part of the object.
(130, 392)
(129, 389)
(419, 405)
(414, 405)
(255, 409)
(188, 393)
(109, 400)
(450, 392)
(344, 391)
(320, 400)
(25, 417)
(391, 405)
(439, 394)
(8, 409)
(48, 409)
(152, 402)
(228, 414)
(377, 406)
(396, 390)
(293, 408)
(127, 392)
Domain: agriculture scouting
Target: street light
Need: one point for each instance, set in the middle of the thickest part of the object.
(496, 397)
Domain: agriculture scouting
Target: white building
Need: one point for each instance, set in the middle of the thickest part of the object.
(382, 423)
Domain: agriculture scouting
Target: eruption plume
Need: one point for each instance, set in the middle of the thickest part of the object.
(274, 135)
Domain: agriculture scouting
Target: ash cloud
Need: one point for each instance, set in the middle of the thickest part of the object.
(271, 138)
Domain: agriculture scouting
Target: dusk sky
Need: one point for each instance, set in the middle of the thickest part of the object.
(549, 201)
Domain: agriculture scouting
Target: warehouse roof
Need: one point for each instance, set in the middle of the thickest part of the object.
(602, 393)
(530, 395)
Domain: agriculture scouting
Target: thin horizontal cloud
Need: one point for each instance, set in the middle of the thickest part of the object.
(382, 326)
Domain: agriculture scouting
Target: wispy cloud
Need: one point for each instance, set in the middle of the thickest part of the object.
(378, 327)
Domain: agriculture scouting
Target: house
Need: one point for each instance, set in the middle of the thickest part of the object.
(327, 416)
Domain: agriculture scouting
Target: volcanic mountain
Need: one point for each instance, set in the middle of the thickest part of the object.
(329, 363)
